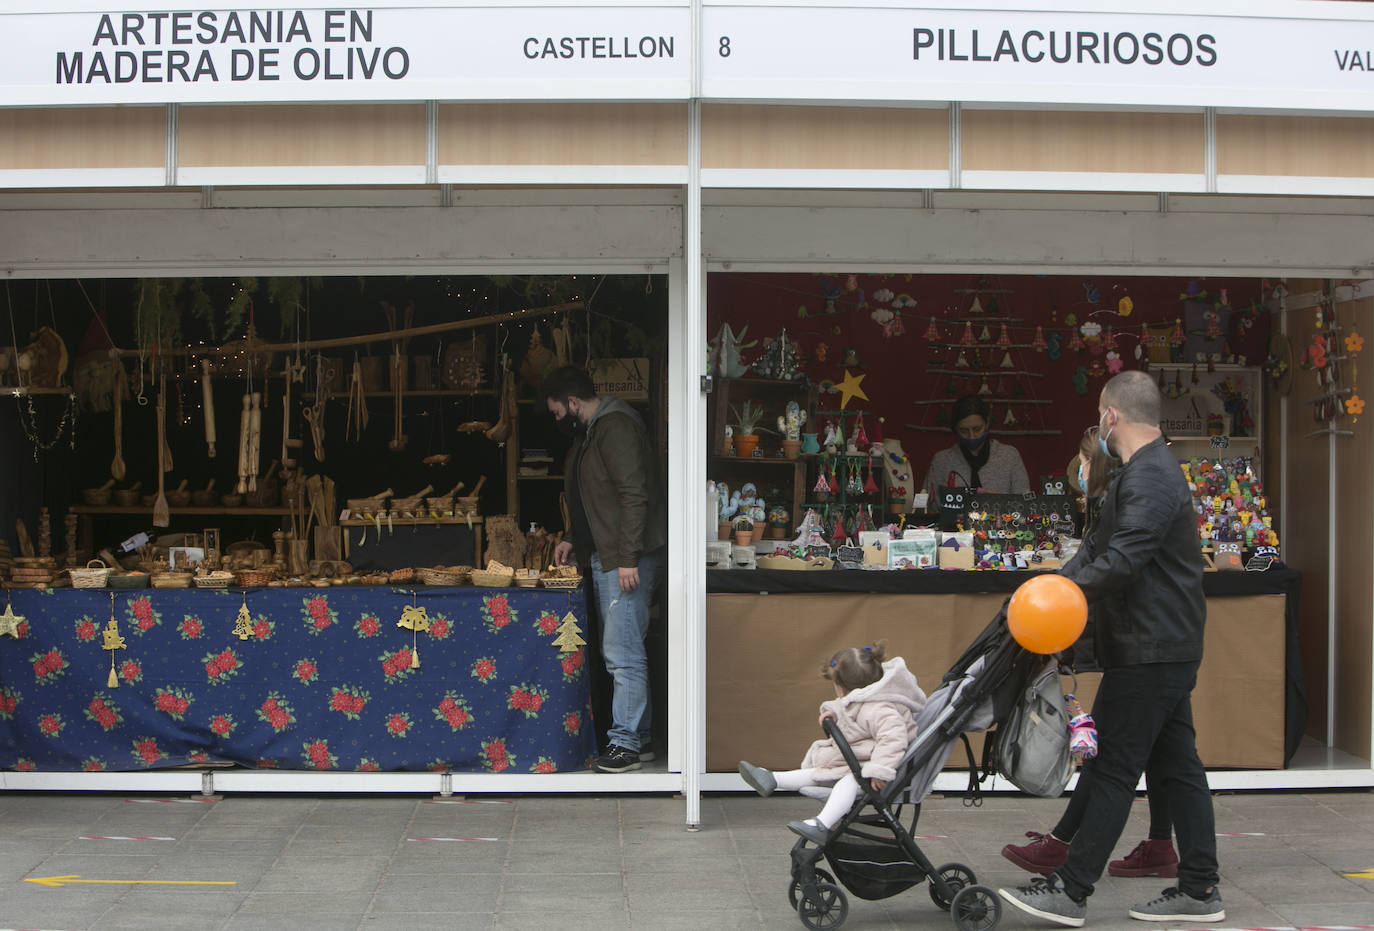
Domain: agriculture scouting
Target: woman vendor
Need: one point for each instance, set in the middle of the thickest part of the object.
(977, 460)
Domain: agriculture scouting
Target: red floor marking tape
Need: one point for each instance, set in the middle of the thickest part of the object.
(436, 840)
(102, 837)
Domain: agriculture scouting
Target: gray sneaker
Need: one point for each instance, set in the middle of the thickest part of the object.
(758, 778)
(1173, 904)
(1047, 899)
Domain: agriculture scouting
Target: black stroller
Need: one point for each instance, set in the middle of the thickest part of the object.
(871, 852)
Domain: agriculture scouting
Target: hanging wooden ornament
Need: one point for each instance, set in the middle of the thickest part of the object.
(569, 637)
(243, 623)
(1006, 361)
(976, 307)
(415, 619)
(9, 621)
(1038, 344)
(967, 339)
(961, 362)
(112, 641)
(932, 332)
(1004, 340)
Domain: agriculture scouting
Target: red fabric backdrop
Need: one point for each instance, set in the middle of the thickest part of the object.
(847, 312)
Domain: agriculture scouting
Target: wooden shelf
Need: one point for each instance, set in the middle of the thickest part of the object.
(390, 395)
(757, 460)
(397, 522)
(26, 391)
(539, 478)
(227, 511)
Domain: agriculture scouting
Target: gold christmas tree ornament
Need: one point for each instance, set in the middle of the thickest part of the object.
(111, 640)
(243, 624)
(569, 635)
(9, 621)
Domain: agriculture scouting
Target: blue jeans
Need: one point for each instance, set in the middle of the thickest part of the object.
(624, 624)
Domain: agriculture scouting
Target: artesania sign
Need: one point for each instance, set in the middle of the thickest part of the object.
(1300, 55)
(1282, 54)
(414, 52)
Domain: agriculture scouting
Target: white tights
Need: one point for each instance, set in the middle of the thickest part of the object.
(841, 798)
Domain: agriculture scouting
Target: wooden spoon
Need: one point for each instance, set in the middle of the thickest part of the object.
(117, 468)
(162, 513)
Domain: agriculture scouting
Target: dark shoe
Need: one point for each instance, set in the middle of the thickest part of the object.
(617, 759)
(1149, 858)
(758, 778)
(812, 832)
(1047, 899)
(1176, 905)
(1044, 854)
(647, 756)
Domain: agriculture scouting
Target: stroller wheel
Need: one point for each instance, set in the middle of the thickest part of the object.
(976, 908)
(794, 888)
(956, 876)
(825, 912)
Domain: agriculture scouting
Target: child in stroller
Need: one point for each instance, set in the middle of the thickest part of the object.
(872, 852)
(875, 708)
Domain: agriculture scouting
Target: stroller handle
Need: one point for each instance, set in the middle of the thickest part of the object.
(832, 731)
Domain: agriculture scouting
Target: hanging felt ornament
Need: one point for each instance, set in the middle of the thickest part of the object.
(1177, 338)
(1110, 342)
(415, 619)
(834, 486)
(967, 338)
(878, 432)
(839, 535)
(1038, 343)
(870, 486)
(860, 435)
(976, 307)
(1010, 419)
(961, 362)
(932, 332)
(1213, 325)
(112, 641)
(854, 485)
(1195, 380)
(1006, 361)
(822, 487)
(1076, 342)
(985, 335)
(1004, 340)
(895, 327)
(984, 390)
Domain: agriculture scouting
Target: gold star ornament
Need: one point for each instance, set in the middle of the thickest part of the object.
(850, 388)
(9, 622)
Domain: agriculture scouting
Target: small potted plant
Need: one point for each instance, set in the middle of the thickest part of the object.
(789, 425)
(747, 428)
(744, 531)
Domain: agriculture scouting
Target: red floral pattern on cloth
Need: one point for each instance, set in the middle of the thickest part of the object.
(493, 695)
(141, 615)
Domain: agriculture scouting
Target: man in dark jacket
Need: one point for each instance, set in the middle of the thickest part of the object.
(619, 527)
(1141, 563)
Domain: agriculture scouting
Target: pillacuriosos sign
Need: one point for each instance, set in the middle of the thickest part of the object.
(1300, 56)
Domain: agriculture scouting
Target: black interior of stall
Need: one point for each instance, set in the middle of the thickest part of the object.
(52, 450)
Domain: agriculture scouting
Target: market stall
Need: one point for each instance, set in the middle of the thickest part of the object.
(360, 679)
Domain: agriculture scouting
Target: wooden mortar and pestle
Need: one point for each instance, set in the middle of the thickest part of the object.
(205, 497)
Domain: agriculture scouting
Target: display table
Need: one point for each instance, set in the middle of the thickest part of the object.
(768, 631)
(324, 683)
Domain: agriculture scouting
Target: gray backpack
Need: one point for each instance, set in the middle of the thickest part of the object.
(1032, 746)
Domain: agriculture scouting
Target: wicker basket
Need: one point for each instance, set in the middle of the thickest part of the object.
(170, 580)
(250, 578)
(127, 580)
(489, 579)
(218, 579)
(93, 576)
(566, 581)
(401, 576)
(449, 575)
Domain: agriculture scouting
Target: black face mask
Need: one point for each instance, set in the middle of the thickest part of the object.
(567, 425)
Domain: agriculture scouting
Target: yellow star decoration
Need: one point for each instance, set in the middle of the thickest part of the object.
(850, 388)
(9, 622)
(1362, 874)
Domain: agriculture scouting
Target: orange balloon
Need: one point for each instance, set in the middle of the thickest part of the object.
(1047, 614)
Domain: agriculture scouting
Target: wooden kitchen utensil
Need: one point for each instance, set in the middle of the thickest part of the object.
(162, 514)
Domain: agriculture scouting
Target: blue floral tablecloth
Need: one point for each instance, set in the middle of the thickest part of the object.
(326, 681)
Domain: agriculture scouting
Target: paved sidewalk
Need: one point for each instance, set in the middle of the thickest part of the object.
(575, 862)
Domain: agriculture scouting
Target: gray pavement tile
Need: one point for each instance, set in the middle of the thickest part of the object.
(89, 866)
(468, 861)
(552, 894)
(52, 915)
(457, 893)
(296, 921)
(717, 919)
(381, 832)
(687, 892)
(436, 921)
(122, 918)
(575, 920)
(183, 900)
(669, 861)
(325, 874)
(308, 903)
(255, 832)
(1309, 914)
(245, 871)
(341, 847)
(1282, 884)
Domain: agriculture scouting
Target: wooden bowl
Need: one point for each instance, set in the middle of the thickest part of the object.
(231, 501)
(204, 499)
(96, 497)
(178, 499)
(126, 497)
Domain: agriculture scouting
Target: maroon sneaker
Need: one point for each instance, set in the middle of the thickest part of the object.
(1149, 858)
(1044, 854)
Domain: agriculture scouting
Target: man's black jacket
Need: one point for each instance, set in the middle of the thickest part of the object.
(1141, 566)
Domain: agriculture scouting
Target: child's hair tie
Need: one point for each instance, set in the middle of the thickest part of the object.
(868, 649)
(834, 663)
